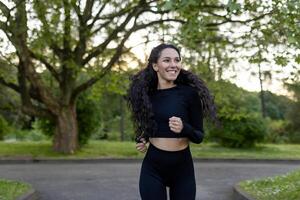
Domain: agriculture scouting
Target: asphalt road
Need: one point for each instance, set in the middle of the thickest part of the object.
(119, 180)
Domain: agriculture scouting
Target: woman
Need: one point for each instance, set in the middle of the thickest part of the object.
(168, 104)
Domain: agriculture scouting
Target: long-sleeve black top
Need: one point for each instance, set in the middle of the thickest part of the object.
(180, 101)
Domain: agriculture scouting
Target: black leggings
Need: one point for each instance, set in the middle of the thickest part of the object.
(162, 168)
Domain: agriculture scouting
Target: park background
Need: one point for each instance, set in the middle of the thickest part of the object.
(65, 67)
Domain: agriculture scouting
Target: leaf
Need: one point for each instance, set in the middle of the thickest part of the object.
(232, 6)
(297, 59)
(282, 61)
(168, 5)
(292, 39)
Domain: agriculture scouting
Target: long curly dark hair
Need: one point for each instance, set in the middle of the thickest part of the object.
(145, 82)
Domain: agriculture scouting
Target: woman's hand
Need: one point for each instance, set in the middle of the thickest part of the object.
(141, 146)
(175, 124)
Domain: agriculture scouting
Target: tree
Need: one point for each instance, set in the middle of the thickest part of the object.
(56, 42)
(61, 45)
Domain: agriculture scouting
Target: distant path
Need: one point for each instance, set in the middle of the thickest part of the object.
(116, 181)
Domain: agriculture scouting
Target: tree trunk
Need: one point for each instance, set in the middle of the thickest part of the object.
(262, 99)
(66, 131)
(122, 131)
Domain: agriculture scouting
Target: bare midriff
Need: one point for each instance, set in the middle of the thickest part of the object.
(170, 144)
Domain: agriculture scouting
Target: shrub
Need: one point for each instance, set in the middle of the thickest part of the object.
(277, 131)
(87, 116)
(239, 130)
(3, 127)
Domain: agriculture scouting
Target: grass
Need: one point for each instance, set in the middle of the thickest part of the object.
(284, 187)
(114, 149)
(10, 190)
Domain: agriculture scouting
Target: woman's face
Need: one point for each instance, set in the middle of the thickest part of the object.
(168, 65)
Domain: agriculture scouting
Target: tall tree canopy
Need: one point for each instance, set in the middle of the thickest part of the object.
(63, 47)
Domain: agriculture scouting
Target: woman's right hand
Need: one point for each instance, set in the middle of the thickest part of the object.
(141, 146)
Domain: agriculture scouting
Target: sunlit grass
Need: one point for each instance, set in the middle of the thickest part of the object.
(284, 187)
(10, 190)
(261, 151)
(116, 149)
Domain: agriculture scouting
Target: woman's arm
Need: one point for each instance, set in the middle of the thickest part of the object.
(194, 128)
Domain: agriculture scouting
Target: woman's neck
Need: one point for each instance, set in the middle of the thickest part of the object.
(165, 85)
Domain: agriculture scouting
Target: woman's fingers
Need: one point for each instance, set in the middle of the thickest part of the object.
(175, 124)
(141, 147)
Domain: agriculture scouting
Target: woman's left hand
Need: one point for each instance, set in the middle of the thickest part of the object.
(175, 124)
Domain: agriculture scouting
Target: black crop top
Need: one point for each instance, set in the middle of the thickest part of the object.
(180, 101)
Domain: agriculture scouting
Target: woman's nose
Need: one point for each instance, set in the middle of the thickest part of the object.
(173, 63)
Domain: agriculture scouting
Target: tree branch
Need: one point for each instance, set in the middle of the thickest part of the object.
(48, 65)
(5, 10)
(87, 12)
(97, 50)
(84, 31)
(96, 16)
(3, 26)
(101, 26)
(117, 14)
(77, 9)
(116, 56)
(112, 61)
(37, 111)
(213, 6)
(10, 85)
(67, 27)
(227, 20)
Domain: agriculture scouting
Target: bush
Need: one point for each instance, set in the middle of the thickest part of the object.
(4, 128)
(87, 116)
(277, 131)
(26, 135)
(239, 130)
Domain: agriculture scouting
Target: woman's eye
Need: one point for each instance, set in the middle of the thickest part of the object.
(166, 60)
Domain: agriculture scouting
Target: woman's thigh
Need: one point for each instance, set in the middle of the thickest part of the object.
(183, 186)
(151, 185)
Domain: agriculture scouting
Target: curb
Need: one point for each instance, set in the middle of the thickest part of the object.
(31, 195)
(30, 160)
(240, 194)
(248, 160)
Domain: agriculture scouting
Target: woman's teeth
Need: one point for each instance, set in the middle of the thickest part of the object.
(172, 71)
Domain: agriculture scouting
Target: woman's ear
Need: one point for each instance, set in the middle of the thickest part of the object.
(155, 68)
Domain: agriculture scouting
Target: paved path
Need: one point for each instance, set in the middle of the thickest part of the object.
(119, 180)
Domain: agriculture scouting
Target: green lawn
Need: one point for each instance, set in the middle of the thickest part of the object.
(10, 190)
(109, 149)
(284, 187)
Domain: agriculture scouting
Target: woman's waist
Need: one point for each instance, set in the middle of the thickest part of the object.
(170, 144)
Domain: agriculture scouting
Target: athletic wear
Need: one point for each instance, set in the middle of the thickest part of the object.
(174, 169)
(162, 168)
(179, 101)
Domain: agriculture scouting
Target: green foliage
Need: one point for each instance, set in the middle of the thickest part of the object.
(231, 99)
(238, 111)
(277, 131)
(277, 107)
(10, 190)
(3, 127)
(239, 130)
(237, 107)
(293, 114)
(277, 188)
(87, 116)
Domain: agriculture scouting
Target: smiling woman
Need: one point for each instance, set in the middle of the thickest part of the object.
(167, 67)
(168, 105)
